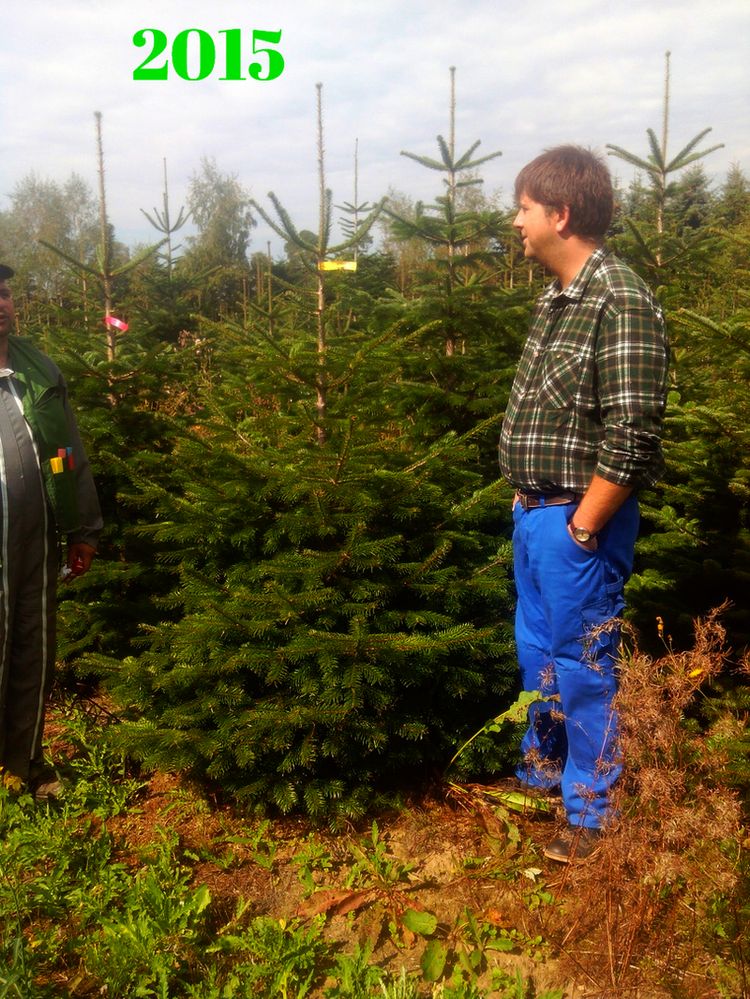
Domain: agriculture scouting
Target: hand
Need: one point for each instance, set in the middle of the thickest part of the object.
(80, 557)
(591, 545)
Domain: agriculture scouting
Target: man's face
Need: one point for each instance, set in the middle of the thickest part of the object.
(7, 312)
(537, 225)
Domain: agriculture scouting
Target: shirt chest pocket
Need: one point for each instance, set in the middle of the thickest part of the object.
(560, 377)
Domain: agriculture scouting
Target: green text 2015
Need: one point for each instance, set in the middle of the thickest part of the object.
(194, 55)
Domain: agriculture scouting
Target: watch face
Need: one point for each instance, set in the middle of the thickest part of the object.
(581, 534)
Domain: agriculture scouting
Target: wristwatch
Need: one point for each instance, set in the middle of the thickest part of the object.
(582, 534)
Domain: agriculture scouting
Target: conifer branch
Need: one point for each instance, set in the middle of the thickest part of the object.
(425, 160)
(677, 163)
(631, 158)
(73, 261)
(657, 155)
(652, 258)
(138, 259)
(464, 162)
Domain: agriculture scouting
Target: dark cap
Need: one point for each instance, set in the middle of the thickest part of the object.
(6, 272)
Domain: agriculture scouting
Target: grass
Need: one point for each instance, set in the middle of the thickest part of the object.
(146, 885)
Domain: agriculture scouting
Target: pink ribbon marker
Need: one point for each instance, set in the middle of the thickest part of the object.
(117, 323)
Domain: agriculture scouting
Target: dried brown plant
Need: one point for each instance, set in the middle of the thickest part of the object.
(658, 911)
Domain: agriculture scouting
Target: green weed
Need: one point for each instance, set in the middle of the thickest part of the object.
(261, 846)
(356, 977)
(403, 987)
(312, 859)
(151, 938)
(374, 865)
(506, 986)
(274, 957)
(98, 777)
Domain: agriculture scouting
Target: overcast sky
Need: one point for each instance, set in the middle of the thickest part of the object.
(528, 75)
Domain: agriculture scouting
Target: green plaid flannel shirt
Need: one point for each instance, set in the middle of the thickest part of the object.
(590, 389)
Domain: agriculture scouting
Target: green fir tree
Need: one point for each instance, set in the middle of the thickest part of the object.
(340, 619)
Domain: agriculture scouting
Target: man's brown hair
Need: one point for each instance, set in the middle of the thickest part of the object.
(574, 177)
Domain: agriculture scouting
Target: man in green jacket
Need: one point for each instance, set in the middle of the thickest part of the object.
(46, 490)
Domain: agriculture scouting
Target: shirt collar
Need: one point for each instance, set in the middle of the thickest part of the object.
(575, 290)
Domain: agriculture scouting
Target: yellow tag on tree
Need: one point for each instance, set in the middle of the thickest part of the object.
(337, 265)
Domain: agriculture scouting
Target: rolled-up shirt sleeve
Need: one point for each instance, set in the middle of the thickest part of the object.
(632, 359)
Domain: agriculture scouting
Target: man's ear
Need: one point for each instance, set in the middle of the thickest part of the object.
(563, 220)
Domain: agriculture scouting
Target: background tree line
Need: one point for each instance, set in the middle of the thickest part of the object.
(304, 591)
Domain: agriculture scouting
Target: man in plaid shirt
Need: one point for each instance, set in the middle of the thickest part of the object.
(580, 435)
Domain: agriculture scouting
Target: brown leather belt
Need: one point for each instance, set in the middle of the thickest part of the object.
(529, 501)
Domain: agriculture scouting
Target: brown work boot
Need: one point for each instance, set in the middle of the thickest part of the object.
(577, 843)
(48, 790)
(44, 784)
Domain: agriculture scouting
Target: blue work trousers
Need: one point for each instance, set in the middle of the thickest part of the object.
(568, 645)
